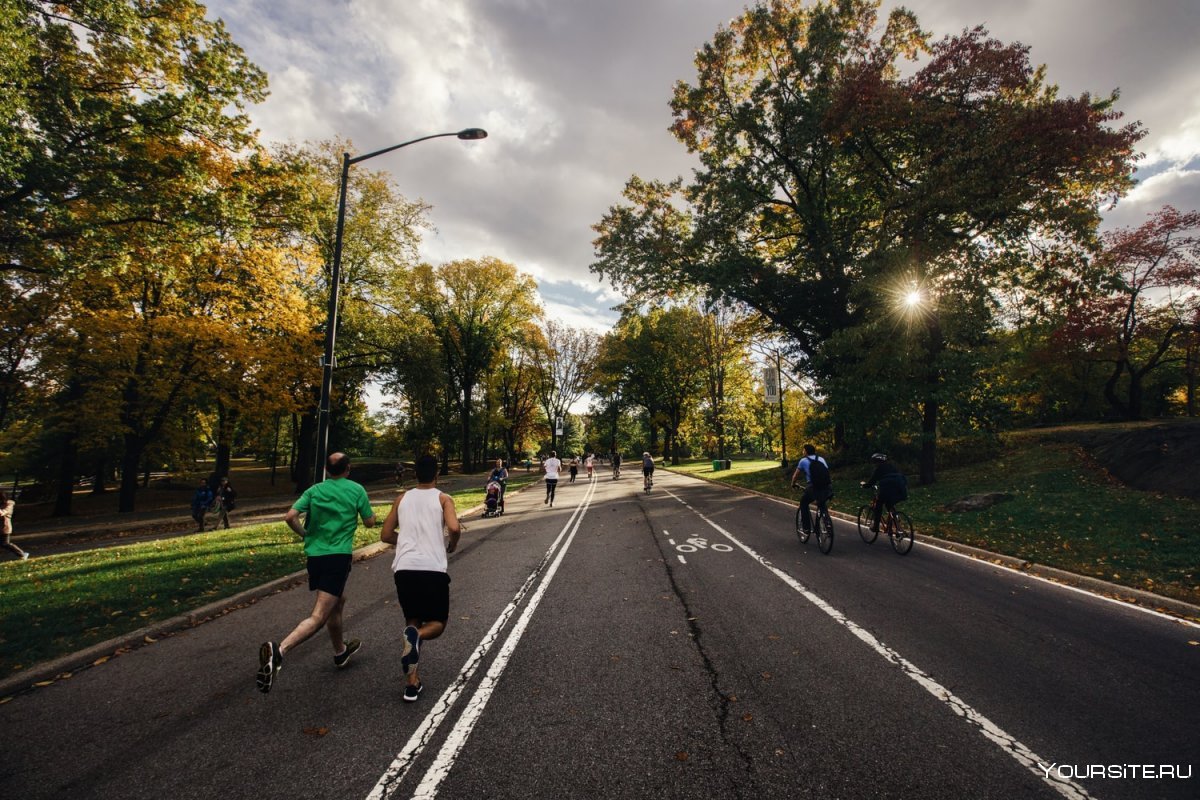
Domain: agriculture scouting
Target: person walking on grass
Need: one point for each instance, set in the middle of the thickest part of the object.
(201, 501)
(226, 499)
(414, 526)
(551, 467)
(6, 512)
(333, 507)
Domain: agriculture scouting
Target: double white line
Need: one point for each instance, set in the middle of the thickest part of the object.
(457, 737)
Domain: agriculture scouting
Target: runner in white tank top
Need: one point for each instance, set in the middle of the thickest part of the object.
(415, 526)
(419, 541)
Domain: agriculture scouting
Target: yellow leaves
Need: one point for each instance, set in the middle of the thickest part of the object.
(101, 660)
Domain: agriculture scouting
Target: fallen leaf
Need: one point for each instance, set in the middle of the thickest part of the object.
(44, 683)
(773, 637)
(1193, 643)
(149, 639)
(766, 676)
(681, 756)
(100, 660)
(747, 717)
(315, 731)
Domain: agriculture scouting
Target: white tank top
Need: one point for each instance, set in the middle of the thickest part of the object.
(419, 543)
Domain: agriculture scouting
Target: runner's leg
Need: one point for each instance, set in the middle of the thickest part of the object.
(322, 609)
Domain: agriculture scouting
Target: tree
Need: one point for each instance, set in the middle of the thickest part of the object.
(82, 79)
(655, 358)
(830, 179)
(565, 373)
(475, 306)
(725, 337)
(1148, 303)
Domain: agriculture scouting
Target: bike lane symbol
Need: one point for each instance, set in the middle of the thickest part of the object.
(694, 544)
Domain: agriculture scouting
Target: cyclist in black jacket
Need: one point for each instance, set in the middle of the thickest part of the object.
(891, 484)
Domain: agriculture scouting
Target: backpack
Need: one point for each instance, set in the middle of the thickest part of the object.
(818, 473)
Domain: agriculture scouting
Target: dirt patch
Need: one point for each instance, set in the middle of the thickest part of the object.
(1163, 457)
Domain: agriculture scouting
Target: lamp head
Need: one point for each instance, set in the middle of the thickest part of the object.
(472, 133)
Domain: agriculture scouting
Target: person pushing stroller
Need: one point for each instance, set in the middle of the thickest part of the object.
(497, 483)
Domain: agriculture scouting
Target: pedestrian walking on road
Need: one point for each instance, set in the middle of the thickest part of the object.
(551, 467)
(226, 501)
(333, 508)
(419, 567)
(6, 512)
(201, 501)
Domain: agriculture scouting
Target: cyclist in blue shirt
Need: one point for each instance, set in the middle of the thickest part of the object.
(811, 492)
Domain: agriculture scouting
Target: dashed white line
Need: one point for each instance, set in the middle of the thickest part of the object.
(1022, 754)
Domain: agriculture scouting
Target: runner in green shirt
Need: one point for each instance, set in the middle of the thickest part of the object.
(333, 507)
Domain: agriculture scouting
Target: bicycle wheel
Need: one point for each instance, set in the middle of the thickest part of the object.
(824, 524)
(901, 533)
(801, 534)
(864, 524)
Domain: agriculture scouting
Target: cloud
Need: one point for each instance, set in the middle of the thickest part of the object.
(575, 93)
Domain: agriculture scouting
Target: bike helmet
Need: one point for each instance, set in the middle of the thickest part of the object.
(879, 457)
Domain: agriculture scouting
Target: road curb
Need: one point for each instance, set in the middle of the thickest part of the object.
(1125, 594)
(63, 667)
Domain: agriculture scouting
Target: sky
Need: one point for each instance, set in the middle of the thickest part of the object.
(574, 95)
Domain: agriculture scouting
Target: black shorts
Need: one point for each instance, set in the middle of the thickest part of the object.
(424, 596)
(329, 573)
(647, 471)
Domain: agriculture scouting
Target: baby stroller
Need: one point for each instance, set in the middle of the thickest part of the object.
(494, 502)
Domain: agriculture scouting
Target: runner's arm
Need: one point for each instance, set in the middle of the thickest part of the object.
(450, 518)
(292, 518)
(390, 523)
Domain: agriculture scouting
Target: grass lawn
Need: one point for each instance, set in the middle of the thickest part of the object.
(1066, 512)
(63, 603)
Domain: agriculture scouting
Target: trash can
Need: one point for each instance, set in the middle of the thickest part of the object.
(728, 464)
(718, 465)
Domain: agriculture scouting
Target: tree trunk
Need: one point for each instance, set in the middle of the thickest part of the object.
(929, 417)
(306, 451)
(65, 490)
(100, 479)
(930, 406)
(468, 465)
(130, 459)
(226, 418)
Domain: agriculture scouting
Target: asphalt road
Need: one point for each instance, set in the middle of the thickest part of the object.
(679, 644)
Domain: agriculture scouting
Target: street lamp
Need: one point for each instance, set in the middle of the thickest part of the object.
(328, 362)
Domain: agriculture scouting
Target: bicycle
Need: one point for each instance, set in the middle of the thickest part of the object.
(649, 480)
(896, 524)
(823, 523)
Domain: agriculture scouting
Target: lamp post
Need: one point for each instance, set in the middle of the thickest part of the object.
(328, 361)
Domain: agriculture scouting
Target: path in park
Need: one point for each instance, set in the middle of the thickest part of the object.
(679, 643)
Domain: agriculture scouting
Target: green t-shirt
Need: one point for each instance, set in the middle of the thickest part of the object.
(333, 509)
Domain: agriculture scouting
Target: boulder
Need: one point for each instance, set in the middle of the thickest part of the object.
(978, 502)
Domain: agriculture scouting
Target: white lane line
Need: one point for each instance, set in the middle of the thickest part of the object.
(457, 738)
(404, 760)
(1022, 754)
(984, 563)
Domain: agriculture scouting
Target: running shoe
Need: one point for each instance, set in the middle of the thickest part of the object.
(270, 661)
(412, 649)
(411, 692)
(351, 648)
